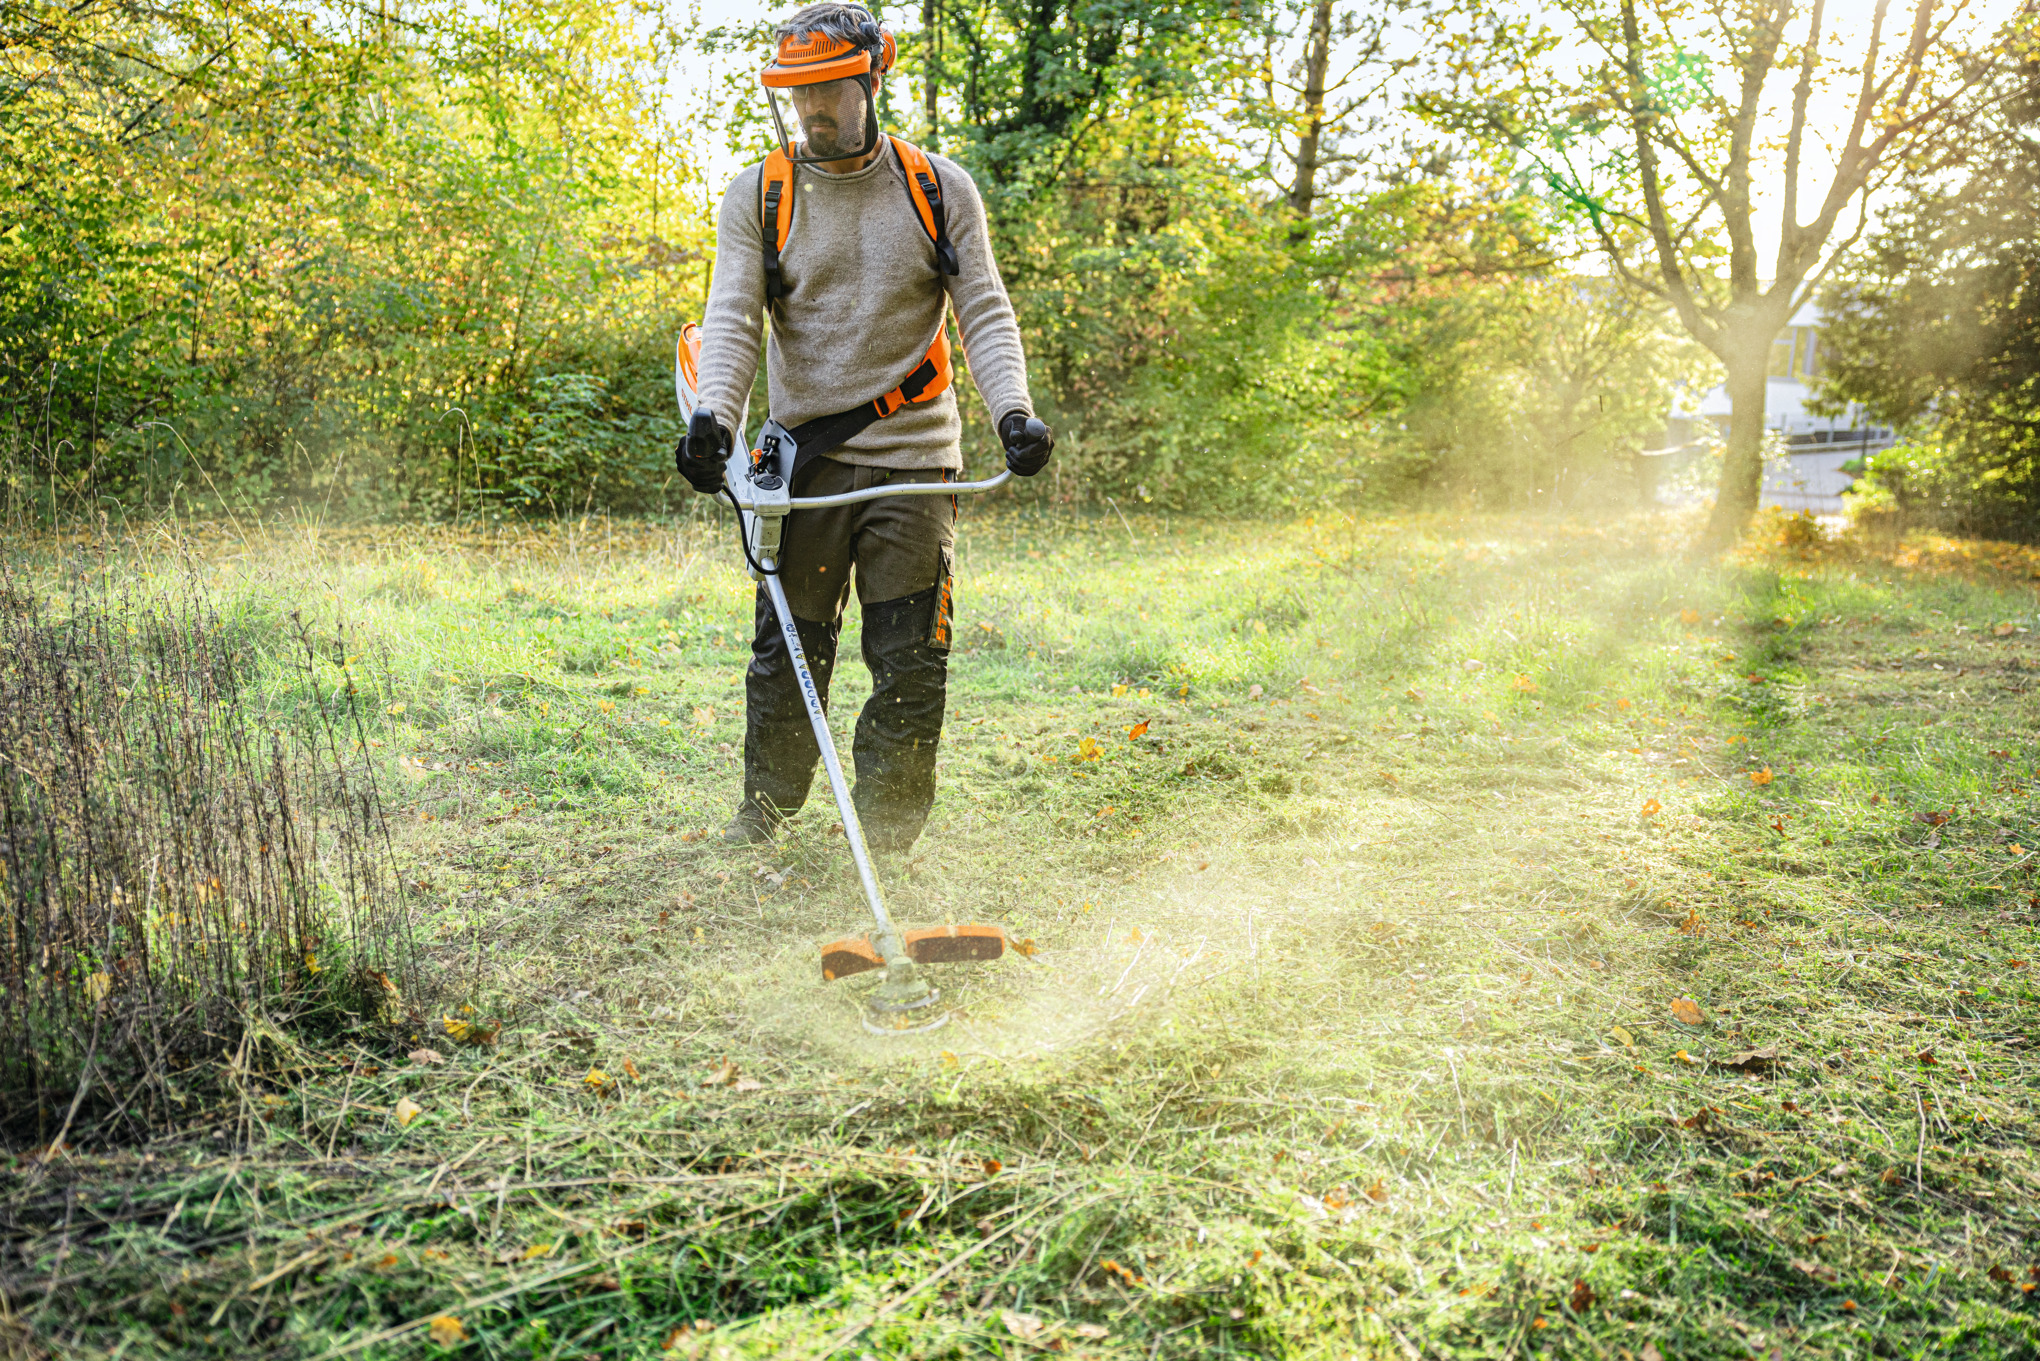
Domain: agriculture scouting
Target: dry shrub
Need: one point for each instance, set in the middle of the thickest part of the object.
(177, 859)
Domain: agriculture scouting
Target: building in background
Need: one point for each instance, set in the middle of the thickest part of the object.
(1818, 449)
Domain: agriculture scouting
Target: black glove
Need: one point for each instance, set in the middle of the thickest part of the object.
(1028, 442)
(702, 452)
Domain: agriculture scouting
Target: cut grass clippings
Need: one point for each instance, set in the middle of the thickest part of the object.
(1452, 937)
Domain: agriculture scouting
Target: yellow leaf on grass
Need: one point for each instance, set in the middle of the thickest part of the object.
(1523, 683)
(1136, 732)
(394, 709)
(447, 1330)
(1622, 704)
(1688, 1059)
(1118, 690)
(1761, 776)
(1089, 750)
(1689, 616)
(1686, 1011)
(1621, 1035)
(949, 1060)
(596, 1078)
(630, 1070)
(408, 1110)
(702, 715)
(537, 1250)
(1651, 808)
(97, 986)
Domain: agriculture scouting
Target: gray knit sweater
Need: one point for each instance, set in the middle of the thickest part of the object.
(866, 302)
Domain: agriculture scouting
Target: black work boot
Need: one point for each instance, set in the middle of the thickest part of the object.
(901, 725)
(779, 742)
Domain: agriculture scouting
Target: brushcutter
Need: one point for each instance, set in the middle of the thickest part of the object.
(757, 483)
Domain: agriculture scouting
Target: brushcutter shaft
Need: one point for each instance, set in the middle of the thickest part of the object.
(887, 938)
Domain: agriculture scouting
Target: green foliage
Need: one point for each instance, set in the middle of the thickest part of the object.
(300, 238)
(1936, 327)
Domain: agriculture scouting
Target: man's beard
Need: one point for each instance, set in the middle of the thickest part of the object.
(822, 134)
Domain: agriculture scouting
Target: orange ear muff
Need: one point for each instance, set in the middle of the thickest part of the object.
(887, 51)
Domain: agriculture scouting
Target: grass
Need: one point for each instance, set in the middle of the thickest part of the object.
(1351, 1028)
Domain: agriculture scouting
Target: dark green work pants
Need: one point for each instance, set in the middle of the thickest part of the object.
(900, 551)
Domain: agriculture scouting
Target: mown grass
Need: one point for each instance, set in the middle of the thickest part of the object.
(1350, 1029)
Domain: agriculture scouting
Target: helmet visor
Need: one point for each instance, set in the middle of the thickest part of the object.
(830, 120)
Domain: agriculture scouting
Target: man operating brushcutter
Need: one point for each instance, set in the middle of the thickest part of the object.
(856, 244)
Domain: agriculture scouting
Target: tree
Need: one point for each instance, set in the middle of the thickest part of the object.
(1679, 116)
(1935, 327)
(1314, 98)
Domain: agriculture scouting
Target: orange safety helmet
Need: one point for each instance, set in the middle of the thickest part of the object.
(809, 58)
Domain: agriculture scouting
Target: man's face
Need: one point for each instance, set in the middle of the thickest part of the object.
(831, 117)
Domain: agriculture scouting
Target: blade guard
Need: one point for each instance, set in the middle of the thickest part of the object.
(929, 945)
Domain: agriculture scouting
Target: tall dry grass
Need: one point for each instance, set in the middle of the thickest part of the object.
(183, 853)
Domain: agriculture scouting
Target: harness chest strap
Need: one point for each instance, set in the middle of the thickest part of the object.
(932, 376)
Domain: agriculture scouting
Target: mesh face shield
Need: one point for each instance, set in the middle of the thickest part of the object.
(822, 91)
(829, 120)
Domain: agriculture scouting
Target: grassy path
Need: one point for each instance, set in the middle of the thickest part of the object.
(1452, 938)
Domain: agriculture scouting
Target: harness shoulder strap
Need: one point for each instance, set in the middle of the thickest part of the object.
(924, 190)
(775, 212)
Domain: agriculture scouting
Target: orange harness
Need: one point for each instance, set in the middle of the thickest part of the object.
(932, 376)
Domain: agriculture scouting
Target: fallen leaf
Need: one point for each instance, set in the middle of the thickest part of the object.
(1089, 750)
(1137, 731)
(447, 1330)
(1761, 776)
(1754, 1060)
(1891, 1176)
(724, 1075)
(1025, 948)
(1522, 683)
(1651, 808)
(949, 1060)
(426, 1056)
(1933, 817)
(1026, 1327)
(1686, 1011)
(1697, 1120)
(2003, 630)
(1096, 1332)
(1649, 1351)
(1818, 1270)
(1998, 1273)
(1255, 692)
(1134, 937)
(537, 1250)
(1689, 1060)
(1377, 1192)
(1582, 1297)
(596, 1079)
(1685, 617)
(993, 1167)
(630, 1070)
(97, 986)
(747, 1084)
(1926, 1058)
(407, 1110)
(1622, 1036)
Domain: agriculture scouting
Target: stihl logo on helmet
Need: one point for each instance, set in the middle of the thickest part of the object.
(822, 83)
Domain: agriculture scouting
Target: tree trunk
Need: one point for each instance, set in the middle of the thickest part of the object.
(1742, 472)
(928, 81)
(1318, 60)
